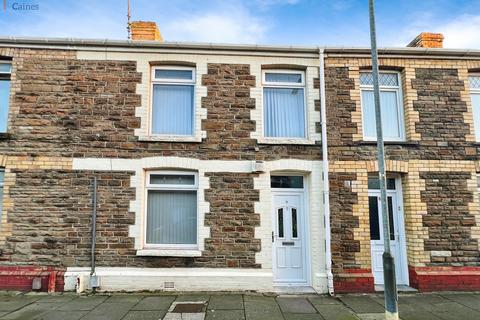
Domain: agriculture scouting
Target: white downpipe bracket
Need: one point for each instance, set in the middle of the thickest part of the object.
(326, 183)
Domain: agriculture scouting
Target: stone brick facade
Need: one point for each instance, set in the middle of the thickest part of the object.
(436, 164)
(448, 218)
(64, 108)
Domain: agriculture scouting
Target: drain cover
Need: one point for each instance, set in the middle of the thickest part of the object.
(188, 308)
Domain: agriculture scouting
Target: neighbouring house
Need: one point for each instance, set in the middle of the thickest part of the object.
(210, 165)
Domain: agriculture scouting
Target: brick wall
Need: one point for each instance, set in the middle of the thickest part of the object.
(441, 121)
(232, 221)
(86, 108)
(448, 219)
(64, 108)
(342, 201)
(436, 164)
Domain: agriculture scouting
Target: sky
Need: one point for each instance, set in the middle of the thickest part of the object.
(282, 22)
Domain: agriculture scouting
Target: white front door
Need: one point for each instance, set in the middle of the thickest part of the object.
(397, 233)
(289, 238)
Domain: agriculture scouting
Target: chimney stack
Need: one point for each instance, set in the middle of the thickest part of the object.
(427, 40)
(145, 30)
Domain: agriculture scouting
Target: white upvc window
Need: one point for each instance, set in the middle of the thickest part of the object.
(5, 72)
(2, 178)
(474, 83)
(284, 108)
(172, 110)
(171, 210)
(391, 106)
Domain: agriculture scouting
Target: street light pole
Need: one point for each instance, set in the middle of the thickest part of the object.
(391, 308)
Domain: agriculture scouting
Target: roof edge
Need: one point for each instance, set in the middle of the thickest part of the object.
(84, 44)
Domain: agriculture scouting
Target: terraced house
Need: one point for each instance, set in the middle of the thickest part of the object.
(211, 166)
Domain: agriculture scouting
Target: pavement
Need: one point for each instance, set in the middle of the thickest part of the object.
(226, 306)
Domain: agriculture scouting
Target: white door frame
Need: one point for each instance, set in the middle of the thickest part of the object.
(401, 236)
(305, 228)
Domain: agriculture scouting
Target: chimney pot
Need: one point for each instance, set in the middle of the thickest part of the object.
(145, 30)
(427, 40)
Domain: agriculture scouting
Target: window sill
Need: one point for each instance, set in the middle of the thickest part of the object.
(169, 253)
(169, 139)
(286, 141)
(387, 143)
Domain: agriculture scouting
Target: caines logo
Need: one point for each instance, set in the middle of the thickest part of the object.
(20, 6)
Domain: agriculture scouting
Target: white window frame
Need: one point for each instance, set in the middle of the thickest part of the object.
(6, 72)
(400, 111)
(2, 184)
(185, 82)
(474, 91)
(478, 184)
(170, 187)
(287, 85)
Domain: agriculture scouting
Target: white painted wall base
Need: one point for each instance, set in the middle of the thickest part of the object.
(184, 279)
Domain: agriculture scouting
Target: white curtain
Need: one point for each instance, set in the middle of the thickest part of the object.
(390, 120)
(4, 95)
(476, 114)
(172, 217)
(284, 112)
(172, 109)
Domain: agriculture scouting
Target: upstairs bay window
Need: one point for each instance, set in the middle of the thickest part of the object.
(474, 82)
(390, 103)
(173, 110)
(5, 71)
(171, 221)
(284, 104)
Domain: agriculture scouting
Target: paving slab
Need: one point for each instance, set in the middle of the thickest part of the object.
(62, 315)
(13, 297)
(336, 312)
(372, 316)
(295, 305)
(261, 308)
(154, 303)
(193, 297)
(56, 298)
(453, 310)
(184, 316)
(362, 304)
(108, 311)
(422, 299)
(145, 315)
(225, 315)
(31, 311)
(321, 300)
(124, 299)
(12, 305)
(417, 315)
(302, 316)
(466, 299)
(226, 302)
(83, 303)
